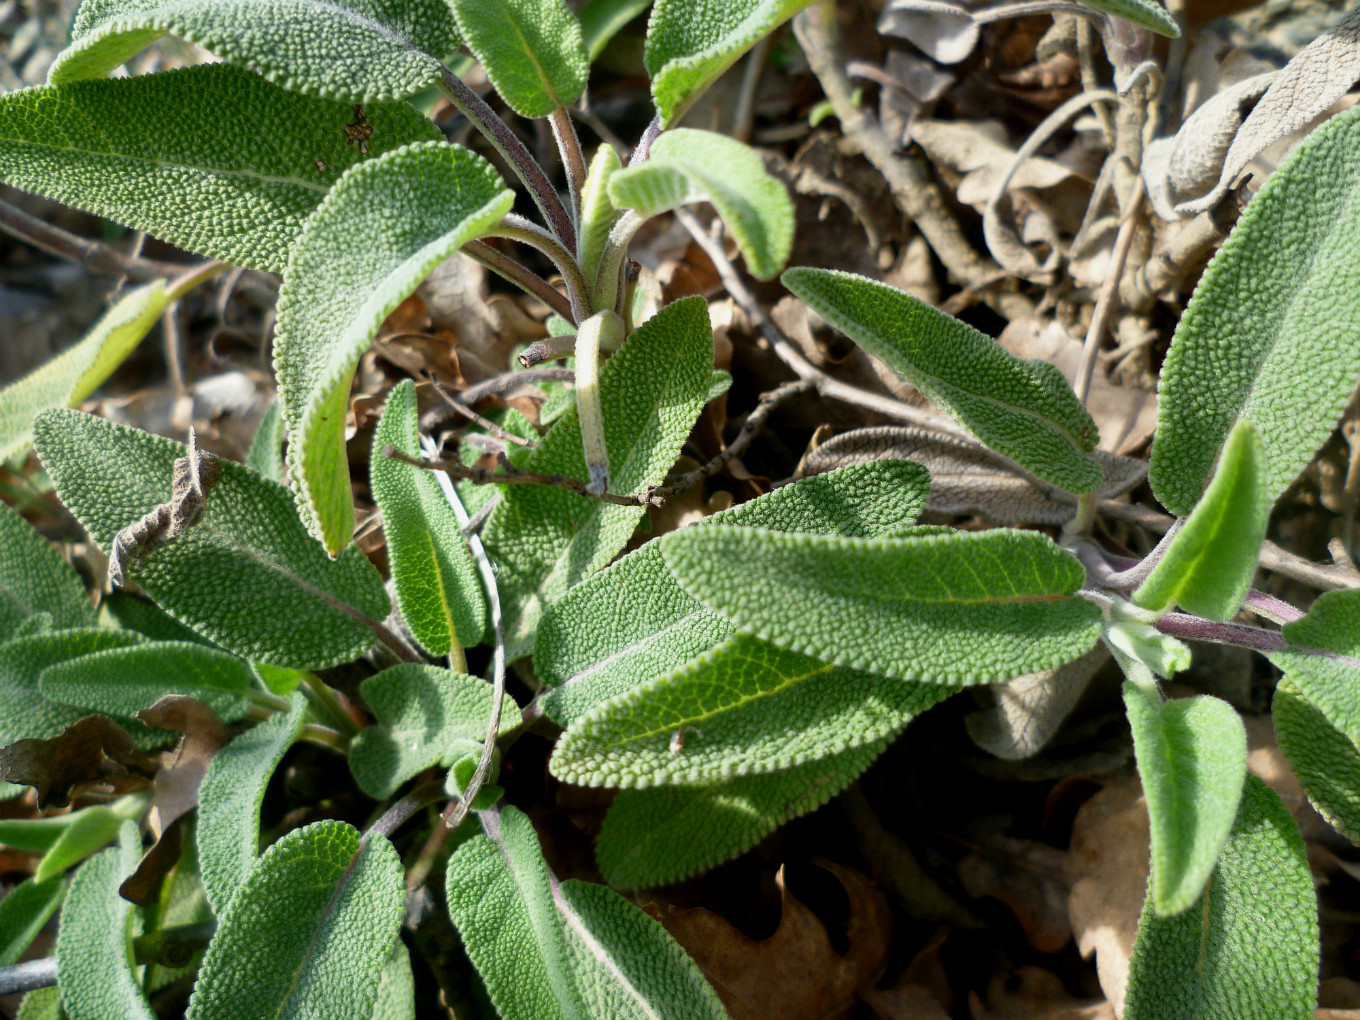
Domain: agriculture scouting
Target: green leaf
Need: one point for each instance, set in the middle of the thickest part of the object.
(598, 213)
(633, 622)
(744, 708)
(545, 539)
(689, 44)
(546, 950)
(309, 933)
(229, 801)
(664, 835)
(532, 50)
(625, 963)
(355, 51)
(435, 578)
(25, 714)
(500, 898)
(1208, 567)
(134, 613)
(213, 159)
(1148, 13)
(1269, 335)
(122, 681)
(34, 578)
(421, 710)
(397, 988)
(266, 449)
(94, 950)
(79, 370)
(41, 1004)
(955, 608)
(688, 166)
(24, 913)
(601, 20)
(247, 575)
(90, 829)
(1021, 408)
(1192, 757)
(378, 233)
(1322, 753)
(1219, 959)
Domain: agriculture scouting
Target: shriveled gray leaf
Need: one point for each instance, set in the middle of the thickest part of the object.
(1029, 709)
(943, 31)
(964, 476)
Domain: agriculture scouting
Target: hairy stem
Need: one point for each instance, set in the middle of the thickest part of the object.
(516, 228)
(569, 146)
(93, 255)
(514, 152)
(509, 269)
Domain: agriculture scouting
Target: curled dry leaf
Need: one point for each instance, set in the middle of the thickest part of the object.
(1027, 877)
(1028, 710)
(1296, 97)
(1032, 993)
(943, 31)
(175, 794)
(967, 479)
(795, 973)
(94, 750)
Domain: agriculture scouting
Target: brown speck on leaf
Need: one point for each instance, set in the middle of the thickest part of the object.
(321, 165)
(359, 130)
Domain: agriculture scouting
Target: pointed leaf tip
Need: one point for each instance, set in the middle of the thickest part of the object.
(533, 51)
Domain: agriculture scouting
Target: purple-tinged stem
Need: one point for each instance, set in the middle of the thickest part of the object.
(1273, 609)
(644, 145)
(504, 266)
(1195, 628)
(515, 152)
(569, 147)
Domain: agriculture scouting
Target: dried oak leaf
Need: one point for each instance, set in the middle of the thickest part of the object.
(93, 750)
(1027, 877)
(1032, 993)
(795, 974)
(175, 794)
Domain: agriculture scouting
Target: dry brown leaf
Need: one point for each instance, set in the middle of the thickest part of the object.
(1107, 870)
(965, 478)
(202, 735)
(980, 151)
(905, 1002)
(1032, 993)
(1026, 876)
(795, 974)
(943, 31)
(94, 750)
(1028, 710)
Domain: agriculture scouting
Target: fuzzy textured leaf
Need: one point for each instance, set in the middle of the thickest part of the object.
(1208, 567)
(266, 449)
(91, 828)
(24, 912)
(247, 575)
(123, 681)
(500, 899)
(79, 370)
(94, 951)
(309, 933)
(533, 51)
(688, 166)
(953, 608)
(745, 708)
(355, 51)
(25, 713)
(690, 43)
(436, 580)
(1192, 757)
(1218, 959)
(1322, 754)
(544, 539)
(34, 578)
(421, 710)
(625, 963)
(397, 989)
(213, 159)
(1022, 409)
(378, 233)
(229, 799)
(633, 622)
(659, 836)
(1147, 13)
(1270, 335)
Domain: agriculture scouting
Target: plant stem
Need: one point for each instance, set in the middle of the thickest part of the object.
(508, 268)
(324, 736)
(515, 152)
(199, 274)
(327, 705)
(644, 145)
(569, 147)
(267, 700)
(481, 420)
(1194, 628)
(607, 287)
(493, 599)
(499, 385)
(397, 815)
(551, 349)
(93, 255)
(516, 228)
